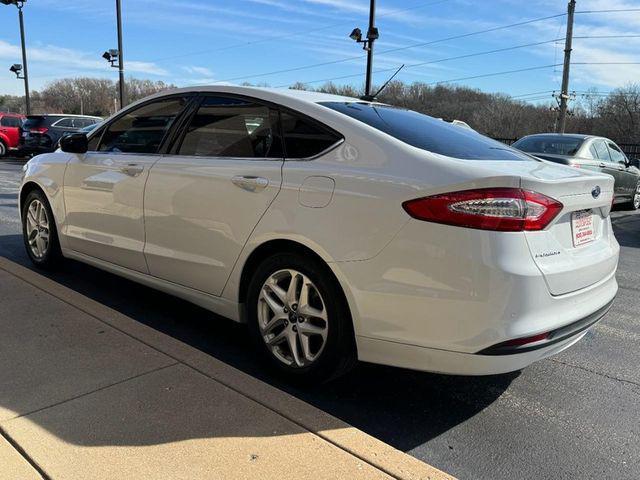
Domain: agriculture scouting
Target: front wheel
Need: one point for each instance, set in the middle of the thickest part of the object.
(300, 320)
(635, 203)
(39, 231)
(3, 149)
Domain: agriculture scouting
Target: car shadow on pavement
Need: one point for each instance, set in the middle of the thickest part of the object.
(400, 407)
(626, 228)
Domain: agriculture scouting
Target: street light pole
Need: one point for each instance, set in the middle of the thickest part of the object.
(123, 100)
(372, 39)
(25, 70)
(24, 60)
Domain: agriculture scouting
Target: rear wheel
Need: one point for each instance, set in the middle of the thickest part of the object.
(300, 320)
(39, 231)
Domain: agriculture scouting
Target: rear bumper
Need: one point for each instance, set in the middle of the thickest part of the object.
(454, 363)
(434, 295)
(555, 336)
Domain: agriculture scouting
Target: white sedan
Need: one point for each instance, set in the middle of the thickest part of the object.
(337, 229)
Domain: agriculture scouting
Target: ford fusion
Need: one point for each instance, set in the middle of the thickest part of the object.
(337, 229)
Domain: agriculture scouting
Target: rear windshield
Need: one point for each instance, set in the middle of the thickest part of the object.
(33, 122)
(428, 133)
(555, 145)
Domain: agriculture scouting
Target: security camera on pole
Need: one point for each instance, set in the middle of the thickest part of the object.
(372, 36)
(23, 67)
(115, 55)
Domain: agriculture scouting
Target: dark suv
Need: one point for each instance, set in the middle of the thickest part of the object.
(590, 153)
(41, 133)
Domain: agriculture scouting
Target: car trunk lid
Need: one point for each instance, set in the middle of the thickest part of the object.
(578, 248)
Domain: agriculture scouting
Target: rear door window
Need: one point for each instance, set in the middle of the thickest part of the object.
(142, 129)
(602, 152)
(304, 138)
(616, 154)
(428, 133)
(232, 128)
(64, 123)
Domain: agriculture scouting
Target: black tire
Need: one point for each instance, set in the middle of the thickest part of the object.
(3, 149)
(634, 204)
(53, 255)
(339, 353)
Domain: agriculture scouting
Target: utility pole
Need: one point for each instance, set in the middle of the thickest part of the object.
(123, 100)
(372, 35)
(564, 94)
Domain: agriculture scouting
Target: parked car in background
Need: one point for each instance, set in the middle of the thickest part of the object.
(10, 124)
(86, 130)
(590, 153)
(41, 133)
(338, 229)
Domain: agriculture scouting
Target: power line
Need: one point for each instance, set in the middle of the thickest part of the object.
(605, 36)
(611, 10)
(495, 74)
(295, 34)
(532, 93)
(397, 49)
(458, 57)
(605, 63)
(465, 35)
(484, 75)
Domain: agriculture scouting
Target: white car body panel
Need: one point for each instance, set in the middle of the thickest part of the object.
(198, 220)
(104, 201)
(422, 295)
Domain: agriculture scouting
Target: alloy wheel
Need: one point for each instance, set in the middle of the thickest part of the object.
(37, 229)
(636, 198)
(292, 318)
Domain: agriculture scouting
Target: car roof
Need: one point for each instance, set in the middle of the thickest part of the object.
(580, 136)
(264, 92)
(62, 115)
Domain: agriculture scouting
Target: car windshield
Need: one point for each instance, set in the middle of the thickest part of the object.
(552, 144)
(428, 133)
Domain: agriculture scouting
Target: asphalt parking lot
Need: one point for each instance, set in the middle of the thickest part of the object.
(572, 416)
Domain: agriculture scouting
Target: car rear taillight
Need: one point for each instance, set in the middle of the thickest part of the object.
(39, 130)
(499, 209)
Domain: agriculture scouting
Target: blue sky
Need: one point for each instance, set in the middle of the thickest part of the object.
(205, 41)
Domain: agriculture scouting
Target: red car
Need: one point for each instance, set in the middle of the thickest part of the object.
(10, 126)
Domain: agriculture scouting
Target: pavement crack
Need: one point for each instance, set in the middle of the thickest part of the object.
(602, 374)
(124, 380)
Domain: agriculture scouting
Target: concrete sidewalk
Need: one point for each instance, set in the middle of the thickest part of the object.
(86, 392)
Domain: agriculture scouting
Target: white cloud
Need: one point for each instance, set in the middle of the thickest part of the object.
(202, 71)
(47, 62)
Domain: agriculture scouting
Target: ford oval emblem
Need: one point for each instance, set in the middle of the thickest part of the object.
(595, 193)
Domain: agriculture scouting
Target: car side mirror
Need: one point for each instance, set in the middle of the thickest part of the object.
(74, 143)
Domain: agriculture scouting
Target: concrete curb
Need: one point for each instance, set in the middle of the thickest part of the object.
(368, 449)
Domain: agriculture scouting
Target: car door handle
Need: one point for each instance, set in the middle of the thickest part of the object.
(132, 169)
(250, 183)
(602, 165)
